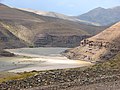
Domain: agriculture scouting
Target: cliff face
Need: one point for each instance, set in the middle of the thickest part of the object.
(59, 41)
(102, 46)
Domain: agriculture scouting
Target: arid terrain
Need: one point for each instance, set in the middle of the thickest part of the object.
(102, 46)
(42, 50)
(102, 16)
(30, 29)
(101, 75)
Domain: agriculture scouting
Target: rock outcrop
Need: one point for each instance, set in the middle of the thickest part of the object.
(102, 46)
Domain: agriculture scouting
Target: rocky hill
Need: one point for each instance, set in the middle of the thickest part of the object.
(102, 16)
(37, 30)
(102, 46)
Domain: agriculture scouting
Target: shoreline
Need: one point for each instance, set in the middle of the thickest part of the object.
(41, 64)
(31, 62)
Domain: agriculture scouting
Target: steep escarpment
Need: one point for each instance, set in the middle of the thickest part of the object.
(102, 46)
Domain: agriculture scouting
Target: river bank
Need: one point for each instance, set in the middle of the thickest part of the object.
(96, 77)
(38, 59)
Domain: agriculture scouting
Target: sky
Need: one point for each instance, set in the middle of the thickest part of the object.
(67, 7)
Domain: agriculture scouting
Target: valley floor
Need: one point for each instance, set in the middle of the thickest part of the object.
(102, 76)
(38, 59)
(35, 59)
(24, 64)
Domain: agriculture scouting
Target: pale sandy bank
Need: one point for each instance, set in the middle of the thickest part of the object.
(38, 62)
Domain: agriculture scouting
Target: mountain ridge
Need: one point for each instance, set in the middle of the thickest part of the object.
(102, 16)
(38, 30)
(58, 15)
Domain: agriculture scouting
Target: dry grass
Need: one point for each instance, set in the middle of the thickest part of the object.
(6, 76)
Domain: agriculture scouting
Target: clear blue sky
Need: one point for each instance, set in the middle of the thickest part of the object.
(68, 7)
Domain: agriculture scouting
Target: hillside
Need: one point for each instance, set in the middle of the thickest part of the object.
(38, 30)
(8, 40)
(102, 46)
(102, 16)
(58, 15)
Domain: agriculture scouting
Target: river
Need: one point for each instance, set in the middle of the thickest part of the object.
(38, 59)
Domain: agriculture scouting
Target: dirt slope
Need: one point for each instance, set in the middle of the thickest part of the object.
(99, 47)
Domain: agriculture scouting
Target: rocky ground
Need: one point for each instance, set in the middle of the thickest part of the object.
(75, 86)
(105, 74)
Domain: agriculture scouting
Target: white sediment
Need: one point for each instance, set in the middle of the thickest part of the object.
(38, 62)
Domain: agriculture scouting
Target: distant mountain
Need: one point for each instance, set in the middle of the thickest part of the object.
(102, 16)
(50, 14)
(59, 15)
(102, 46)
(21, 28)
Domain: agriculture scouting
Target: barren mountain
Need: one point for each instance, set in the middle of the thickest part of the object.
(102, 16)
(59, 15)
(102, 46)
(38, 30)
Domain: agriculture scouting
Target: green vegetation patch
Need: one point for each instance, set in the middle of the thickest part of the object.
(7, 76)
